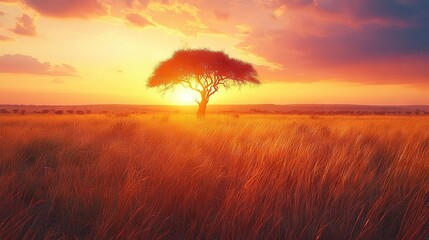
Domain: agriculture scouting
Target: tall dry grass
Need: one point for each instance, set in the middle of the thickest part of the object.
(256, 177)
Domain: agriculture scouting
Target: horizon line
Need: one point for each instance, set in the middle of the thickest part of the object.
(244, 104)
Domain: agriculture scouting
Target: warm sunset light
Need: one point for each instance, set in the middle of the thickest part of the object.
(184, 96)
(203, 71)
(103, 51)
(214, 119)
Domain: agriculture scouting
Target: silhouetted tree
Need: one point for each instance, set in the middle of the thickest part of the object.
(203, 71)
(59, 112)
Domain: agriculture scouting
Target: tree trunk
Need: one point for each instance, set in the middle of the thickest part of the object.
(202, 108)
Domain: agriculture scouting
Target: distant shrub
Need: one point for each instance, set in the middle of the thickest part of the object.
(121, 114)
(69, 111)
(45, 111)
(4, 111)
(165, 118)
(235, 115)
(88, 112)
(80, 112)
(15, 110)
(59, 112)
(255, 111)
(23, 112)
(104, 112)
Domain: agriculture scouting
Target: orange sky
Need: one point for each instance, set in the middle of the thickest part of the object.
(306, 51)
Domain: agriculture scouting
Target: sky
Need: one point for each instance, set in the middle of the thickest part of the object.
(305, 51)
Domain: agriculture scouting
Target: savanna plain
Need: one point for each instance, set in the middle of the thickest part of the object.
(156, 176)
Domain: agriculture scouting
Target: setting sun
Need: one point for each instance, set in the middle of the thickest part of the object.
(184, 96)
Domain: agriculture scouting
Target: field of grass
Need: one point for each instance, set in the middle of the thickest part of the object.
(174, 177)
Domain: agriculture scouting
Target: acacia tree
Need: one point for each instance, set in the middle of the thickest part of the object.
(204, 71)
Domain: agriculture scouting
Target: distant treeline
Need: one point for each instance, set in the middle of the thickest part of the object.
(251, 111)
(332, 112)
(46, 111)
(61, 112)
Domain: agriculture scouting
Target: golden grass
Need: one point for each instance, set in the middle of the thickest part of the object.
(256, 177)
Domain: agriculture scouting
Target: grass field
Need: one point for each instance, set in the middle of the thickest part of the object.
(174, 177)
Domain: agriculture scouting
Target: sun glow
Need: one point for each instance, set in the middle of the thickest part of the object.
(184, 96)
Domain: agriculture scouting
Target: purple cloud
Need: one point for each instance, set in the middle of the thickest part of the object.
(25, 26)
(18, 63)
(68, 8)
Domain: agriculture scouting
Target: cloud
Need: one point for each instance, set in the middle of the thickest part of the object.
(18, 63)
(183, 17)
(408, 10)
(221, 15)
(360, 41)
(68, 8)
(5, 38)
(382, 12)
(305, 40)
(25, 26)
(292, 3)
(137, 20)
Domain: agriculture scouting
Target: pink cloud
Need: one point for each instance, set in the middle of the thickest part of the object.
(176, 15)
(366, 55)
(292, 3)
(354, 41)
(23, 64)
(68, 8)
(25, 26)
(221, 15)
(137, 19)
(314, 40)
(5, 38)
(412, 69)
